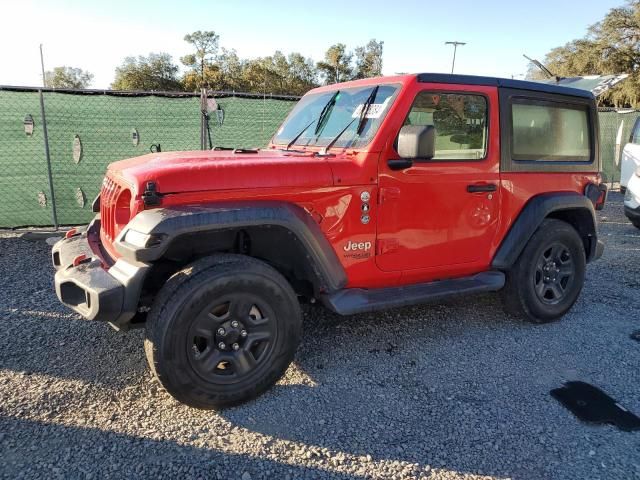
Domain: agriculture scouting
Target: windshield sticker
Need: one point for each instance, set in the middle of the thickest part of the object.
(375, 109)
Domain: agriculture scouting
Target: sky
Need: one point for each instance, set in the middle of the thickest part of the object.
(97, 35)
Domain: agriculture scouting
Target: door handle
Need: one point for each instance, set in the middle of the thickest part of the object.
(482, 187)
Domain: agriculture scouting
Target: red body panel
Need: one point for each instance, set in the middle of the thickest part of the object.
(424, 224)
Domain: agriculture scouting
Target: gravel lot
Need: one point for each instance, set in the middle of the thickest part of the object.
(444, 391)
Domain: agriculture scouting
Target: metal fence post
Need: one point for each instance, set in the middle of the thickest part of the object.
(48, 157)
(203, 120)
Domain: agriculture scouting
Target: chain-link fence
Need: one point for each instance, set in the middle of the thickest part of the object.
(86, 130)
(50, 176)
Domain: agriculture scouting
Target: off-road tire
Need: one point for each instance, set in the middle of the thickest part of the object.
(183, 301)
(526, 278)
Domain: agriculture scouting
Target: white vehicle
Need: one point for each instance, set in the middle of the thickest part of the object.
(632, 198)
(630, 157)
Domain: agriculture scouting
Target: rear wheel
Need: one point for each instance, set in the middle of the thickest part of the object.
(548, 276)
(222, 331)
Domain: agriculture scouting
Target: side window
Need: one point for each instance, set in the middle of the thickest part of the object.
(546, 131)
(635, 133)
(460, 122)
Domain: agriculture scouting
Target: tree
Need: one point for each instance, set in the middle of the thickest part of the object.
(336, 66)
(230, 72)
(278, 74)
(303, 75)
(206, 48)
(369, 60)
(260, 75)
(154, 72)
(67, 77)
(611, 46)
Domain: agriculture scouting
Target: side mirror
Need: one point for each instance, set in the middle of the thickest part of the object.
(417, 142)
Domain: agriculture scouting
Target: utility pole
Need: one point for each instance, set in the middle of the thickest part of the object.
(455, 48)
(44, 80)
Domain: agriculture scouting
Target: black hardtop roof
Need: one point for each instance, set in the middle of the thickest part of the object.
(502, 82)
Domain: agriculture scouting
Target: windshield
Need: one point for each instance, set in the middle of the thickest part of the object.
(339, 112)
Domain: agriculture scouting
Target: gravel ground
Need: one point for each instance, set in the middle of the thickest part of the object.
(444, 391)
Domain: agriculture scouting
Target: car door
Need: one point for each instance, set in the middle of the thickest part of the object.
(442, 213)
(630, 155)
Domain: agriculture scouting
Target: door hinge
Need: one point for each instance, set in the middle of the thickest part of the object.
(387, 245)
(388, 193)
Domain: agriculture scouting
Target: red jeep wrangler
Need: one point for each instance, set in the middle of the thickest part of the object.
(373, 194)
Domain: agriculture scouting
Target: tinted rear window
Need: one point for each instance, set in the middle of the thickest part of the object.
(550, 132)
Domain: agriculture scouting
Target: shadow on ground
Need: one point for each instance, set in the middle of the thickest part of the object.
(40, 450)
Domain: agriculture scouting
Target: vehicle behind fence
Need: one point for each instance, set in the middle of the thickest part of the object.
(52, 179)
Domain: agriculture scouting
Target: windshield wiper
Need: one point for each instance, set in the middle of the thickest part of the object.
(324, 114)
(362, 120)
(365, 109)
(321, 118)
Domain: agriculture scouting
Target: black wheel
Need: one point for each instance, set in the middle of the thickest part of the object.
(635, 223)
(548, 276)
(222, 330)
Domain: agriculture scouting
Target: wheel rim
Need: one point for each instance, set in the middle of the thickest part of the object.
(554, 274)
(231, 338)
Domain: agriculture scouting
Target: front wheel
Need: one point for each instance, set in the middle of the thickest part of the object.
(548, 276)
(222, 330)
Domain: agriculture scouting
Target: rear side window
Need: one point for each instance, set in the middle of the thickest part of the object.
(460, 122)
(546, 131)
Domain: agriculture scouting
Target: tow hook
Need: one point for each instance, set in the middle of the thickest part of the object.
(80, 259)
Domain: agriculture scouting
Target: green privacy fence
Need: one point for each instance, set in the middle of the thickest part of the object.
(615, 129)
(24, 182)
(87, 130)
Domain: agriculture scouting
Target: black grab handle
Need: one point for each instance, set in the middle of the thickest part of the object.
(482, 187)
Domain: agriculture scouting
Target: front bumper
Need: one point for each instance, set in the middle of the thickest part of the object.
(92, 288)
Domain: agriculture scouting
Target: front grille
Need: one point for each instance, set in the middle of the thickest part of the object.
(108, 197)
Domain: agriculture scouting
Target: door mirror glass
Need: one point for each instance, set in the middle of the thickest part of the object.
(417, 142)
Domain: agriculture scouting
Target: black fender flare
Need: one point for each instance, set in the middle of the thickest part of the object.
(164, 225)
(533, 214)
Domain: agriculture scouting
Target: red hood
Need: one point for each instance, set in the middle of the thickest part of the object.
(176, 172)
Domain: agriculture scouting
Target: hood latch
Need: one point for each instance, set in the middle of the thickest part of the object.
(151, 197)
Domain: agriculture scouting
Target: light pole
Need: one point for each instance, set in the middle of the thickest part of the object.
(44, 78)
(455, 48)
